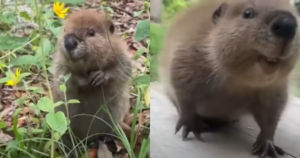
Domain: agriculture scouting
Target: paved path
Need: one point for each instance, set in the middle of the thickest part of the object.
(234, 142)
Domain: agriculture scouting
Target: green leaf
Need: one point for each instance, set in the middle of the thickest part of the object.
(135, 14)
(47, 48)
(22, 130)
(24, 60)
(15, 128)
(4, 80)
(73, 101)
(10, 42)
(45, 104)
(35, 131)
(35, 89)
(25, 15)
(57, 121)
(70, 1)
(63, 87)
(35, 108)
(139, 53)
(145, 148)
(34, 35)
(56, 30)
(67, 77)
(8, 17)
(143, 80)
(22, 75)
(109, 9)
(47, 146)
(57, 135)
(20, 101)
(58, 103)
(13, 152)
(142, 30)
(2, 124)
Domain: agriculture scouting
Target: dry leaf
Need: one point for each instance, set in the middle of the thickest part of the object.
(21, 121)
(6, 111)
(4, 137)
(103, 151)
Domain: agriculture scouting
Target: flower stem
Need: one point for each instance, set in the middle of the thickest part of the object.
(44, 66)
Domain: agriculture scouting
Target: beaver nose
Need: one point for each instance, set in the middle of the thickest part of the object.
(284, 25)
(70, 42)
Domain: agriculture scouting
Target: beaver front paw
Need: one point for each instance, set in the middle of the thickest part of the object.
(97, 78)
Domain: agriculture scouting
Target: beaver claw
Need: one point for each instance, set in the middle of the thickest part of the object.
(97, 78)
(197, 127)
(266, 148)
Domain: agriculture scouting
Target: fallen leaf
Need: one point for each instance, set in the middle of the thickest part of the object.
(4, 137)
(21, 121)
(103, 151)
(26, 110)
(6, 111)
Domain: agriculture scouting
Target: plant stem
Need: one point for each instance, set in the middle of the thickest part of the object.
(44, 67)
(67, 110)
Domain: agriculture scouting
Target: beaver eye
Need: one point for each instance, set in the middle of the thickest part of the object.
(91, 32)
(249, 13)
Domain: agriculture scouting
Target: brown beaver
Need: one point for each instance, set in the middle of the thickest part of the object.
(100, 74)
(225, 58)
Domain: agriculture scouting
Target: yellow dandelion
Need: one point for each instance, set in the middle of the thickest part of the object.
(59, 10)
(103, 3)
(14, 78)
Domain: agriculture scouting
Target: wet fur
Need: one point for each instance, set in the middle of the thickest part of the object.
(208, 67)
(102, 55)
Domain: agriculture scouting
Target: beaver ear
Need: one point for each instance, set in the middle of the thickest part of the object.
(111, 27)
(219, 12)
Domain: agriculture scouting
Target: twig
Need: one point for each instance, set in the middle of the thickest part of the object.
(123, 10)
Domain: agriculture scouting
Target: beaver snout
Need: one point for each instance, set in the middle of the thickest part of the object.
(284, 25)
(71, 42)
(74, 48)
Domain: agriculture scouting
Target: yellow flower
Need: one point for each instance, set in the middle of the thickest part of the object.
(59, 10)
(103, 3)
(14, 78)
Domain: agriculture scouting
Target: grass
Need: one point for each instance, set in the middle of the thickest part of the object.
(34, 124)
